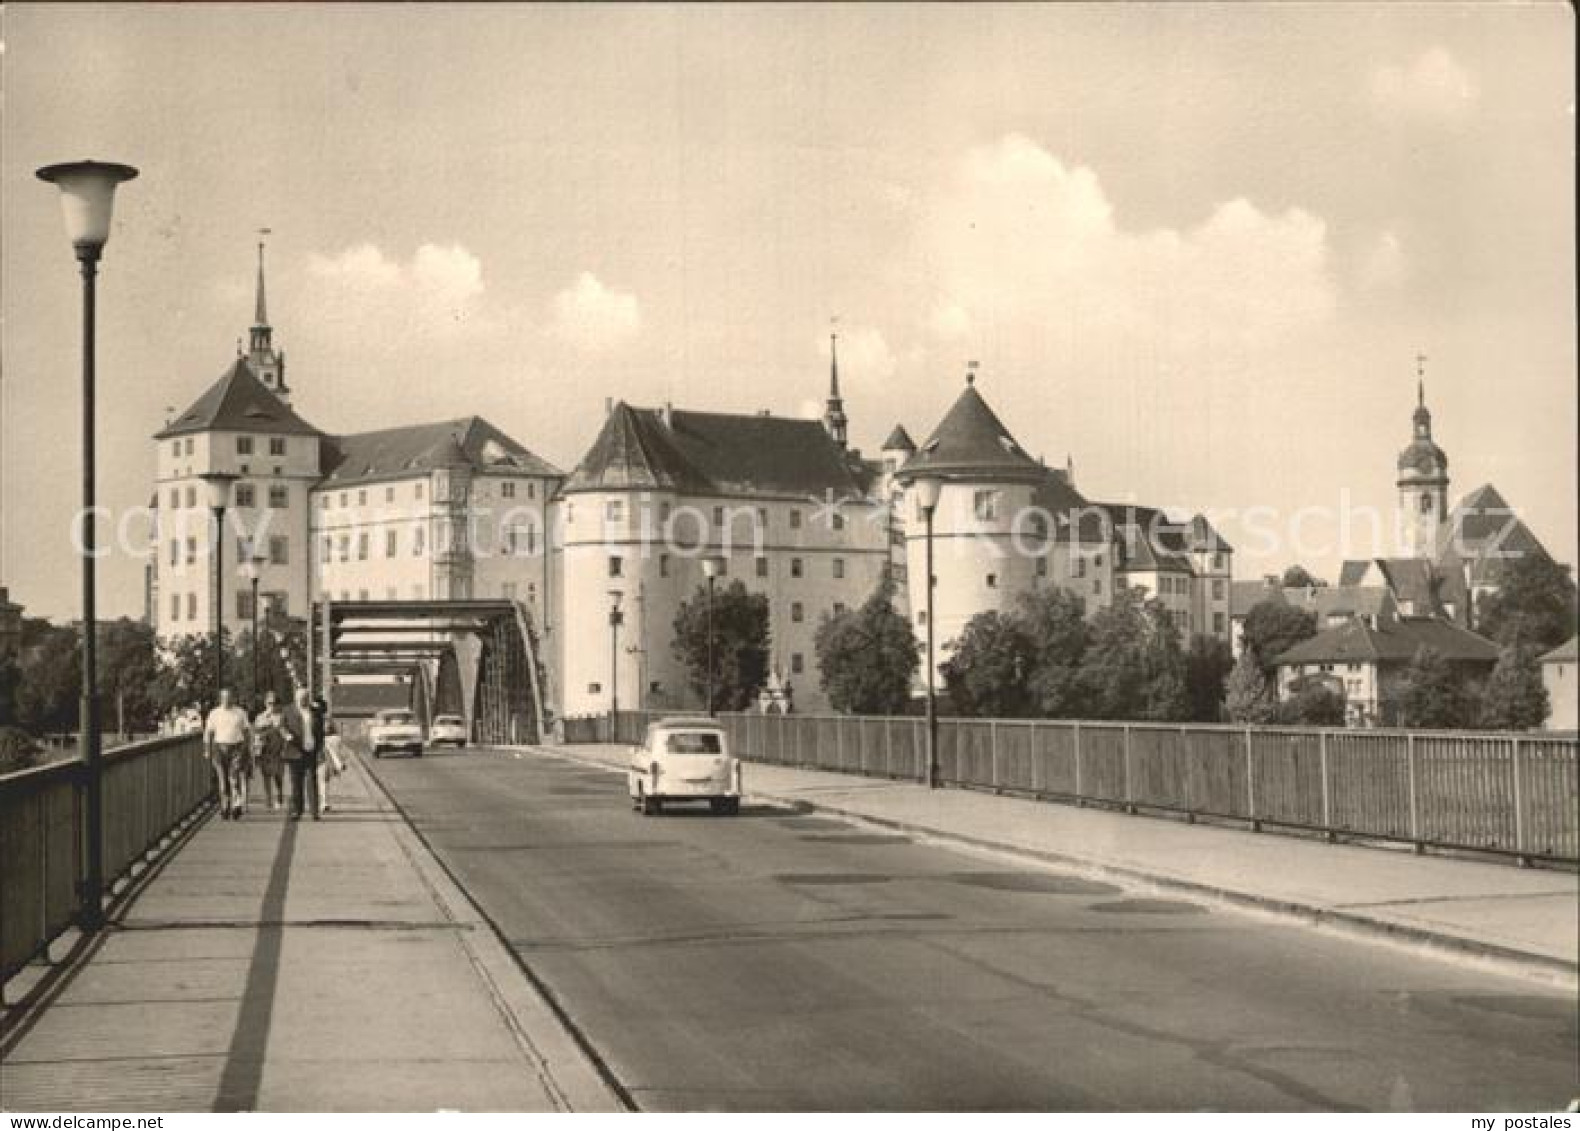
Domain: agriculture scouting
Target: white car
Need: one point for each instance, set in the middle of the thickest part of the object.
(684, 759)
(447, 728)
(395, 730)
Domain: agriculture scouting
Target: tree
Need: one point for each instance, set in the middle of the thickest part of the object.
(1208, 663)
(1534, 604)
(1435, 693)
(1311, 702)
(18, 750)
(1272, 628)
(1054, 621)
(1298, 577)
(186, 673)
(1248, 697)
(868, 657)
(1134, 668)
(50, 686)
(128, 661)
(1515, 698)
(740, 644)
(988, 673)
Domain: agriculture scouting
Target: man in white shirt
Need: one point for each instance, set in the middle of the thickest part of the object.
(227, 737)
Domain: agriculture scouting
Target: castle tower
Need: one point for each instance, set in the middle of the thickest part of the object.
(834, 418)
(262, 358)
(1422, 483)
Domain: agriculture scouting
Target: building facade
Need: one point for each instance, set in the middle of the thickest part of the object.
(1561, 677)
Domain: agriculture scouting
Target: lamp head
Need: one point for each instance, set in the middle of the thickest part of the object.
(927, 488)
(87, 199)
(218, 483)
(712, 567)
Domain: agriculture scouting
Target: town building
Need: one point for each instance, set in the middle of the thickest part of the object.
(1329, 605)
(1366, 661)
(10, 626)
(1561, 677)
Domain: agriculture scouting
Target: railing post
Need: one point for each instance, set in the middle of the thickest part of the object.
(1130, 805)
(1415, 812)
(1250, 784)
(1080, 791)
(1327, 788)
(888, 747)
(1183, 759)
(1519, 808)
(993, 754)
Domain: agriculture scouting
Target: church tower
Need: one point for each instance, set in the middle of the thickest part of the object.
(1423, 482)
(834, 418)
(264, 360)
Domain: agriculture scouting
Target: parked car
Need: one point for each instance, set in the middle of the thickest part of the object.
(684, 759)
(395, 730)
(447, 729)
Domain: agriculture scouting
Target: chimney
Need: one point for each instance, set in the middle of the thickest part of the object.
(669, 416)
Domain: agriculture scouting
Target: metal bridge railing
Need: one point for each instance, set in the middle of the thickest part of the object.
(149, 788)
(1511, 793)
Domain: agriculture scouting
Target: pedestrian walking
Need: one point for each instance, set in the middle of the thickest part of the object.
(269, 734)
(304, 747)
(226, 738)
(331, 765)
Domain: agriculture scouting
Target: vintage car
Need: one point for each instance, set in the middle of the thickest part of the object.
(449, 729)
(684, 759)
(395, 730)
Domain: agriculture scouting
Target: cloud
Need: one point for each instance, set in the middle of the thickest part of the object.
(1433, 88)
(365, 291)
(1031, 251)
(865, 359)
(593, 317)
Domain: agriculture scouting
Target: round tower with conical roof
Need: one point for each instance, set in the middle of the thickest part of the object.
(988, 543)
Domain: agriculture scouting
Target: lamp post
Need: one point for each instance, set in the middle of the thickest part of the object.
(616, 617)
(927, 489)
(251, 569)
(710, 569)
(87, 198)
(218, 483)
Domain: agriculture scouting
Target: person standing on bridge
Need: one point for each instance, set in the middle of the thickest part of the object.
(226, 738)
(270, 736)
(304, 746)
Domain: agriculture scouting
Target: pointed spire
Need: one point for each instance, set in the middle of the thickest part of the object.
(261, 315)
(833, 366)
(834, 418)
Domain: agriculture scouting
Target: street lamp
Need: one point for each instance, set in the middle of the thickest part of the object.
(219, 483)
(711, 568)
(616, 617)
(87, 198)
(927, 489)
(251, 569)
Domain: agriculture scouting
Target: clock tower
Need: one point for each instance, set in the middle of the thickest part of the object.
(1423, 484)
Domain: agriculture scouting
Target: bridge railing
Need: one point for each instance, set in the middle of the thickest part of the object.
(1513, 793)
(148, 789)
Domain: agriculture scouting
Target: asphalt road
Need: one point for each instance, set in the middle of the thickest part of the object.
(785, 961)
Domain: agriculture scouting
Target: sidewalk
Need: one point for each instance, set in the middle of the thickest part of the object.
(300, 966)
(1527, 920)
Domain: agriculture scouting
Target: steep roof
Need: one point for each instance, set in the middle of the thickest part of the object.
(1392, 641)
(1153, 540)
(1246, 595)
(971, 442)
(1568, 651)
(899, 440)
(238, 402)
(711, 453)
(1340, 600)
(1485, 531)
(395, 453)
(1409, 579)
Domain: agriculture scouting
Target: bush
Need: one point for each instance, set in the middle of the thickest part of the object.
(18, 750)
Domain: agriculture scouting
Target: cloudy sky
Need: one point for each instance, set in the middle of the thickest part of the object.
(1195, 248)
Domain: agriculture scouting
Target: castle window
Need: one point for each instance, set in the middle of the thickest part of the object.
(389, 494)
(191, 496)
(839, 608)
(175, 498)
(189, 445)
(175, 606)
(243, 604)
(616, 565)
(1080, 567)
(191, 551)
(362, 547)
(921, 616)
(507, 490)
(985, 504)
(175, 551)
(795, 520)
(342, 498)
(838, 521)
(418, 488)
(324, 550)
(1217, 623)
(279, 497)
(797, 613)
(362, 498)
(1426, 503)
(614, 510)
(1097, 587)
(191, 606)
(175, 447)
(762, 567)
(1217, 590)
(718, 516)
(795, 564)
(276, 445)
(1042, 566)
(416, 542)
(391, 543)
(797, 664)
(244, 445)
(663, 565)
(839, 567)
(992, 581)
(344, 548)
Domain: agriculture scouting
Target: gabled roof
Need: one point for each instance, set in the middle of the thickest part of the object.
(1246, 595)
(1413, 580)
(238, 402)
(971, 442)
(1341, 600)
(396, 453)
(711, 453)
(1568, 651)
(1154, 541)
(1056, 495)
(1391, 642)
(899, 441)
(1485, 531)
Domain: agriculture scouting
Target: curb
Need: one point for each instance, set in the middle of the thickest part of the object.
(1496, 957)
(565, 1064)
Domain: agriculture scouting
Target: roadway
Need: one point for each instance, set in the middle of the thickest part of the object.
(785, 961)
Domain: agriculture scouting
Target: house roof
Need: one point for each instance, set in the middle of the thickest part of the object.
(395, 453)
(1483, 530)
(1412, 580)
(899, 440)
(710, 453)
(1246, 595)
(971, 442)
(1340, 600)
(1154, 541)
(1390, 642)
(238, 402)
(1567, 652)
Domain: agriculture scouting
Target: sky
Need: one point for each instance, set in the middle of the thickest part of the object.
(1195, 249)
